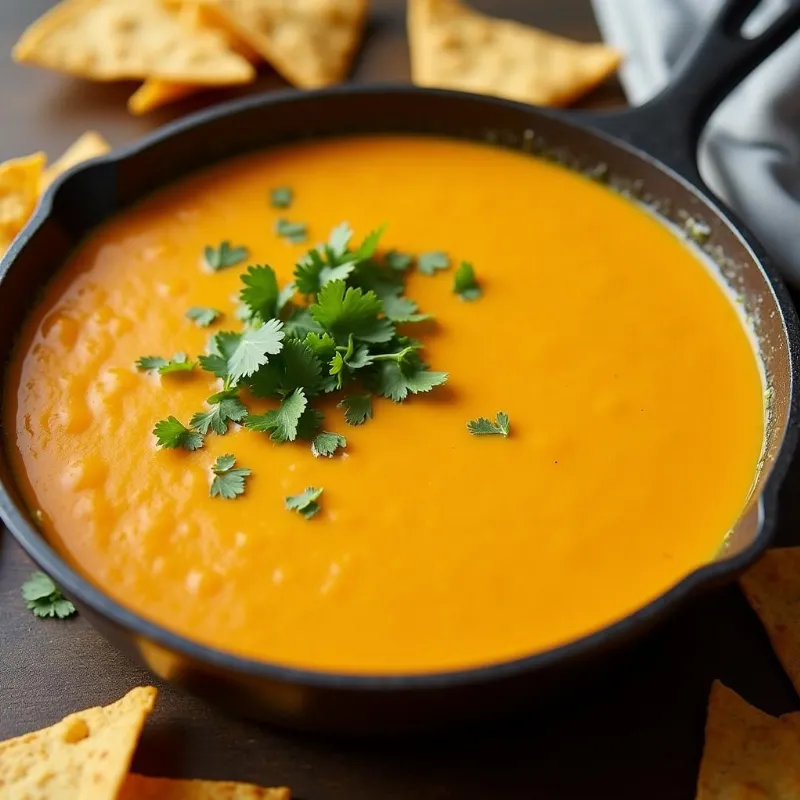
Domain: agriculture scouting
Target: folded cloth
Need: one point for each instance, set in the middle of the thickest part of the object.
(750, 151)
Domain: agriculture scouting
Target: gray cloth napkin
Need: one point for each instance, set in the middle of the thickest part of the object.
(750, 153)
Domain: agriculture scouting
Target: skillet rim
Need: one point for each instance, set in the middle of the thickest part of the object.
(84, 592)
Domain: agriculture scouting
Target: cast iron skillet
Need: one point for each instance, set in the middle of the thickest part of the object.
(649, 152)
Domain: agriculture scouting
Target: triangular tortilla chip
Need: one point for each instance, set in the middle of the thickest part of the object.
(86, 756)
(155, 92)
(772, 588)
(109, 40)
(137, 787)
(310, 42)
(19, 193)
(90, 145)
(748, 755)
(454, 47)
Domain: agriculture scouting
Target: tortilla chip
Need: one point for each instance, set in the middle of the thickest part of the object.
(137, 787)
(748, 755)
(108, 40)
(90, 145)
(772, 588)
(154, 92)
(86, 756)
(454, 47)
(19, 193)
(310, 42)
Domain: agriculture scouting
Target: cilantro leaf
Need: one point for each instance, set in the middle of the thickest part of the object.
(283, 422)
(399, 377)
(178, 363)
(357, 409)
(370, 245)
(300, 324)
(228, 482)
(148, 363)
(254, 349)
(429, 263)
(307, 272)
(326, 444)
(281, 197)
(398, 261)
(44, 598)
(305, 503)
(321, 345)
(296, 367)
(465, 283)
(260, 293)
(310, 422)
(225, 406)
(403, 309)
(171, 433)
(295, 232)
(339, 240)
(344, 311)
(485, 427)
(203, 316)
(224, 255)
(221, 347)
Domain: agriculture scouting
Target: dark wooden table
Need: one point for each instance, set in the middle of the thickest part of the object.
(636, 736)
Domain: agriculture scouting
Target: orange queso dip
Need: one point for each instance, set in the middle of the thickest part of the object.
(632, 387)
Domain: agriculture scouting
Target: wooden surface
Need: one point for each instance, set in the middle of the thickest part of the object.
(637, 736)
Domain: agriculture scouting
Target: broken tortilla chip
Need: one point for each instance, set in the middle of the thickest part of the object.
(772, 587)
(86, 756)
(90, 145)
(310, 42)
(748, 755)
(454, 47)
(138, 787)
(107, 40)
(19, 193)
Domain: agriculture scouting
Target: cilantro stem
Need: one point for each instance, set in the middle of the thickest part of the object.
(398, 357)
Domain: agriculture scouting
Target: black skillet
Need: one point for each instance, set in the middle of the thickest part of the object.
(649, 152)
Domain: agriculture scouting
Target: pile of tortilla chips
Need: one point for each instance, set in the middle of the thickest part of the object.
(177, 47)
(87, 756)
(23, 180)
(747, 753)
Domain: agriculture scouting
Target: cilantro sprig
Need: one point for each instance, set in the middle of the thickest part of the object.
(164, 366)
(44, 598)
(465, 284)
(203, 316)
(228, 482)
(305, 503)
(485, 427)
(224, 255)
(172, 434)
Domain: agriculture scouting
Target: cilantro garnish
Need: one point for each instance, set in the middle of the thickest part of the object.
(342, 336)
(203, 316)
(305, 503)
(281, 197)
(283, 422)
(227, 482)
(485, 427)
(217, 258)
(465, 283)
(178, 363)
(429, 263)
(326, 444)
(398, 261)
(44, 598)
(295, 232)
(254, 349)
(171, 433)
(225, 407)
(357, 409)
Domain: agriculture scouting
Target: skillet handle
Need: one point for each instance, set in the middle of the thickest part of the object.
(668, 126)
